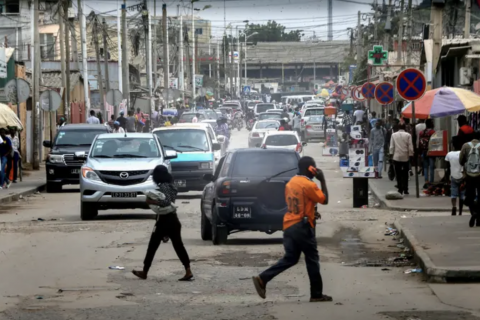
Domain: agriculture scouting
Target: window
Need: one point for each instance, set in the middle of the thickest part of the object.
(199, 31)
(281, 140)
(47, 43)
(9, 6)
(226, 166)
(184, 140)
(265, 164)
(314, 112)
(270, 115)
(264, 107)
(76, 137)
(125, 148)
(267, 124)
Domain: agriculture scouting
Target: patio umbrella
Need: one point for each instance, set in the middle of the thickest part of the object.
(442, 102)
(8, 118)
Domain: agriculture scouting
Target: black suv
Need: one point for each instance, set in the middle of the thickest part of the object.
(61, 166)
(247, 193)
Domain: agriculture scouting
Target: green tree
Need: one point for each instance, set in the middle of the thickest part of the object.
(271, 32)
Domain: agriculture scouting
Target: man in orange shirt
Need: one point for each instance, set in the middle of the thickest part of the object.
(301, 194)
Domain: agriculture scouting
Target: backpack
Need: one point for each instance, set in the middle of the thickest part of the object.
(424, 140)
(472, 166)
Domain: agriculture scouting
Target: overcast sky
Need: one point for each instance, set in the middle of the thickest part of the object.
(308, 15)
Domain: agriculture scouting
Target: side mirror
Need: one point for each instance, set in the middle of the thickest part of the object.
(170, 154)
(80, 155)
(304, 143)
(47, 144)
(208, 177)
(216, 146)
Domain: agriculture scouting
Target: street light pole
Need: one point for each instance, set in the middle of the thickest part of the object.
(193, 56)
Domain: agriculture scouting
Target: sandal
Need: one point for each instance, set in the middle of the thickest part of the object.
(323, 298)
(187, 278)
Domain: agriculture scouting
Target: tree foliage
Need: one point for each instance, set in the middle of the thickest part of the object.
(271, 32)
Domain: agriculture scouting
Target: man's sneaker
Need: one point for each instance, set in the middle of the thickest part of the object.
(473, 218)
(454, 211)
(8, 184)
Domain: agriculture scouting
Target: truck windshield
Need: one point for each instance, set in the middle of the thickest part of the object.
(125, 148)
(76, 137)
(184, 140)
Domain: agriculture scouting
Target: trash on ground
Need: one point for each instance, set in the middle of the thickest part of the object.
(414, 271)
(404, 216)
(127, 294)
(39, 297)
(185, 202)
(401, 246)
(245, 278)
(364, 206)
(60, 291)
(196, 292)
(376, 205)
(339, 304)
(369, 192)
(116, 268)
(393, 195)
(39, 219)
(339, 201)
(391, 231)
(385, 269)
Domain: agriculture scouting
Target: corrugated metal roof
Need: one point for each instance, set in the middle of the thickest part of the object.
(298, 52)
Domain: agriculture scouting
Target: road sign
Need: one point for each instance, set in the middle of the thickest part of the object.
(411, 84)
(114, 97)
(368, 90)
(352, 91)
(338, 89)
(50, 100)
(345, 91)
(246, 89)
(357, 94)
(384, 93)
(378, 56)
(15, 96)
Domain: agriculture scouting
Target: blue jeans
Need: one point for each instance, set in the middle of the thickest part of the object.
(378, 160)
(3, 176)
(428, 167)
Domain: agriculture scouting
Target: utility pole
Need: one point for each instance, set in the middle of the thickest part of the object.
(400, 34)
(388, 26)
(225, 56)
(436, 34)
(105, 56)
(239, 63)
(36, 89)
(119, 52)
(375, 16)
(468, 9)
(83, 35)
(61, 22)
(181, 72)
(330, 23)
(209, 54)
(166, 62)
(74, 46)
(359, 37)
(99, 69)
(125, 64)
(148, 48)
(231, 62)
(193, 56)
(218, 69)
(66, 5)
(410, 31)
(154, 45)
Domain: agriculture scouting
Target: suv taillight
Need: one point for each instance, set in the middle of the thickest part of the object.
(299, 147)
(255, 135)
(308, 127)
(225, 188)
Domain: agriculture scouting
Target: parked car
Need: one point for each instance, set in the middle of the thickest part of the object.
(314, 129)
(240, 197)
(283, 140)
(255, 137)
(307, 113)
(117, 171)
(196, 154)
(61, 166)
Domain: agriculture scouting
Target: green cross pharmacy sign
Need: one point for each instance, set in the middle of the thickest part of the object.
(378, 56)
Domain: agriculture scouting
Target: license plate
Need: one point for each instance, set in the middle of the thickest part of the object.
(242, 212)
(124, 194)
(317, 127)
(180, 183)
(75, 171)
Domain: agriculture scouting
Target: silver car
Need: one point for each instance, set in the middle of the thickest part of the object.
(118, 171)
(260, 129)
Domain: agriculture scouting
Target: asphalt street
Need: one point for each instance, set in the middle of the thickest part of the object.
(55, 266)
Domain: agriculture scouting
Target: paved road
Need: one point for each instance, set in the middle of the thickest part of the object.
(58, 268)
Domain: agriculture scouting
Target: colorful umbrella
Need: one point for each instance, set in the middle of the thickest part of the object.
(442, 102)
(8, 118)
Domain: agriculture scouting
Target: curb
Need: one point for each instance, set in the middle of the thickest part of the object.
(16, 196)
(383, 204)
(436, 274)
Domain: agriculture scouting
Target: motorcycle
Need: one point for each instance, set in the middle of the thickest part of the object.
(238, 123)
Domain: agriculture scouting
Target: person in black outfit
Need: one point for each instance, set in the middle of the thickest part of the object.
(122, 120)
(167, 224)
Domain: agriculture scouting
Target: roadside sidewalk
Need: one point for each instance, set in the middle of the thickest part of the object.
(32, 182)
(445, 246)
(380, 187)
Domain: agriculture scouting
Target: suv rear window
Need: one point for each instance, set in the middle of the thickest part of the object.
(314, 112)
(264, 107)
(264, 164)
(280, 140)
(76, 137)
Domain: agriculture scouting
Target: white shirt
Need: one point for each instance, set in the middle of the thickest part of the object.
(401, 146)
(358, 114)
(93, 120)
(455, 168)
(119, 130)
(419, 128)
(194, 120)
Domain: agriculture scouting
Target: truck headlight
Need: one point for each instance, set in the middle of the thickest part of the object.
(206, 165)
(55, 158)
(89, 174)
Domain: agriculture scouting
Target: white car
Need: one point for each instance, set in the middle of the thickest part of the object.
(283, 140)
(259, 130)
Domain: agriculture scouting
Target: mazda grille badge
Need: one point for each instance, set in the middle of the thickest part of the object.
(124, 175)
